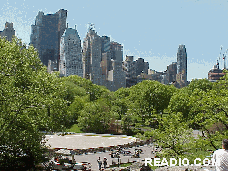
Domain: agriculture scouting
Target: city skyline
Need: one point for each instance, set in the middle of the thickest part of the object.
(150, 30)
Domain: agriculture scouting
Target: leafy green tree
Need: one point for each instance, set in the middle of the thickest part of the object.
(95, 116)
(148, 98)
(30, 101)
(173, 136)
(179, 102)
(128, 121)
(202, 84)
(76, 107)
(209, 111)
(205, 110)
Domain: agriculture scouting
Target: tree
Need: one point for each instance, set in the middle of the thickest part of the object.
(203, 84)
(95, 116)
(30, 101)
(148, 98)
(202, 109)
(174, 136)
(210, 111)
(179, 102)
(76, 107)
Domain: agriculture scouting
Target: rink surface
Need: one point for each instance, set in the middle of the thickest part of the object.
(84, 141)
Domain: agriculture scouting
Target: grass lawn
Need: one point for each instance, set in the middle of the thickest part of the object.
(75, 129)
(122, 165)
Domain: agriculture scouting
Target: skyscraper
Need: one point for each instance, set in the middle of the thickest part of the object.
(92, 57)
(129, 66)
(70, 54)
(8, 32)
(181, 76)
(46, 34)
(141, 66)
(172, 72)
(102, 61)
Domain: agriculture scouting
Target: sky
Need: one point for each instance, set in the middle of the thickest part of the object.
(150, 29)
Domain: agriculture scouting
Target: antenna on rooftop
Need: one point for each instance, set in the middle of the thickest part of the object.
(224, 58)
(219, 56)
(91, 26)
(220, 51)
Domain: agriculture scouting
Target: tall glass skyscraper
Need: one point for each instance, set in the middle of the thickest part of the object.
(182, 65)
(46, 34)
(70, 54)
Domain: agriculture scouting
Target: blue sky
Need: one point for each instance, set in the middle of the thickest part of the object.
(151, 29)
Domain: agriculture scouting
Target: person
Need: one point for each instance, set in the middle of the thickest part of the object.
(99, 163)
(105, 162)
(221, 157)
(89, 166)
(137, 154)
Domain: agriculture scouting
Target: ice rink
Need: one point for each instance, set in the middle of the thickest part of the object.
(84, 141)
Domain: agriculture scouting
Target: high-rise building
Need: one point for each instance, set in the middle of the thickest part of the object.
(102, 61)
(181, 76)
(116, 50)
(129, 67)
(141, 66)
(106, 64)
(46, 34)
(116, 75)
(52, 66)
(8, 32)
(92, 57)
(172, 72)
(70, 54)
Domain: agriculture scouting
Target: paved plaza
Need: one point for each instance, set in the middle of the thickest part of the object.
(92, 158)
(85, 141)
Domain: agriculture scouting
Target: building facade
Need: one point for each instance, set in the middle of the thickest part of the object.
(141, 66)
(215, 74)
(172, 72)
(70, 62)
(116, 75)
(52, 66)
(92, 57)
(181, 76)
(8, 31)
(129, 67)
(102, 61)
(46, 34)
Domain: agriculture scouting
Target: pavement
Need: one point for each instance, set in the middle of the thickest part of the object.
(147, 153)
(92, 157)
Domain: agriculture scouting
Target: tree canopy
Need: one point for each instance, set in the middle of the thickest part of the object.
(31, 102)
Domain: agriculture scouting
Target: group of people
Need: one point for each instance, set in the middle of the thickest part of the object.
(220, 157)
(105, 162)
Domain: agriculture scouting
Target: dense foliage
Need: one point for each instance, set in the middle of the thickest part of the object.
(201, 106)
(33, 101)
